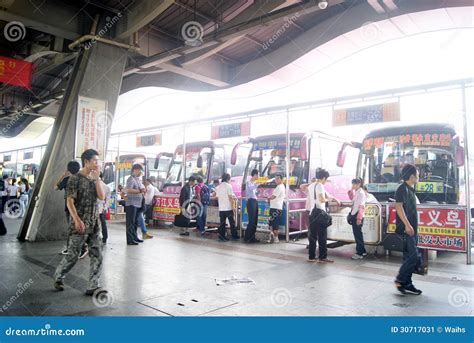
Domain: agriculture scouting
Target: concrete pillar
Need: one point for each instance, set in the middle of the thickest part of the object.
(97, 74)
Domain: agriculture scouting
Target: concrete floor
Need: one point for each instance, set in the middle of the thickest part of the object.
(173, 275)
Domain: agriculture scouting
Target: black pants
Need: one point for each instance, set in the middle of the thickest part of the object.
(412, 260)
(252, 210)
(4, 202)
(223, 215)
(103, 224)
(131, 220)
(320, 234)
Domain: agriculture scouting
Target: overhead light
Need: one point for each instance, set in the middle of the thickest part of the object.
(322, 4)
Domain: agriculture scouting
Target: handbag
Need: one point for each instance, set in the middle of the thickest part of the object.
(320, 217)
(181, 221)
(351, 219)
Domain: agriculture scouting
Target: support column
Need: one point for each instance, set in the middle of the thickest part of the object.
(97, 74)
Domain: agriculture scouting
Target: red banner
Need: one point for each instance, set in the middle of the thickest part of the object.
(166, 207)
(15, 72)
(438, 228)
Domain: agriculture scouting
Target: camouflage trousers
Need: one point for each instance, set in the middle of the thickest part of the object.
(76, 242)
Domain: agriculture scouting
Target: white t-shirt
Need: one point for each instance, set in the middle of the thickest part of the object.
(310, 201)
(223, 191)
(319, 191)
(12, 190)
(151, 191)
(279, 193)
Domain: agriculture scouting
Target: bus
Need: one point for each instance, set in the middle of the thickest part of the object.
(206, 159)
(308, 152)
(435, 149)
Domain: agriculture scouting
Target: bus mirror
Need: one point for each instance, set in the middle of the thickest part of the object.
(199, 162)
(233, 156)
(157, 163)
(341, 158)
(460, 156)
(304, 148)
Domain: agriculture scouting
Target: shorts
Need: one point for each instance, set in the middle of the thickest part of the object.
(275, 217)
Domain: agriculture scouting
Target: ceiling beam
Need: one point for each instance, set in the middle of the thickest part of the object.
(140, 14)
(190, 59)
(193, 75)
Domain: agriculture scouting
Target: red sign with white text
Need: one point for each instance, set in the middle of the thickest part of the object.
(15, 72)
(438, 228)
(166, 207)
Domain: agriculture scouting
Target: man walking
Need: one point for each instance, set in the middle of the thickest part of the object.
(83, 190)
(133, 204)
(407, 228)
(252, 208)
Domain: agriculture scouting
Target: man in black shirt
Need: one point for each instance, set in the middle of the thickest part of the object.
(407, 226)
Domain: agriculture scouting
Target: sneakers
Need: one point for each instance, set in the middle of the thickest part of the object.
(325, 260)
(184, 233)
(412, 290)
(147, 236)
(312, 260)
(276, 240)
(400, 287)
(357, 257)
(84, 253)
(59, 285)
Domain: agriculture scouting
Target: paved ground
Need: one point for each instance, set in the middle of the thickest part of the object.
(172, 275)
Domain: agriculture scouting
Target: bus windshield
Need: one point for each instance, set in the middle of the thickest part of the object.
(125, 167)
(272, 161)
(192, 158)
(433, 154)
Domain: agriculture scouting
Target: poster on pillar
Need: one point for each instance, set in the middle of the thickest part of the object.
(91, 127)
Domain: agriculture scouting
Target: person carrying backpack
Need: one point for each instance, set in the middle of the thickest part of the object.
(203, 196)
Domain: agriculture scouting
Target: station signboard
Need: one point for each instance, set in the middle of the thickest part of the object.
(367, 114)
(439, 228)
(149, 140)
(230, 130)
(166, 207)
(91, 125)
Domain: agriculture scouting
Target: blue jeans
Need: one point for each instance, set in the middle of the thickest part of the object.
(359, 238)
(141, 222)
(411, 260)
(201, 219)
(131, 218)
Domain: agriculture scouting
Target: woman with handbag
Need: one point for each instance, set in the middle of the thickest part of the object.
(356, 216)
(319, 219)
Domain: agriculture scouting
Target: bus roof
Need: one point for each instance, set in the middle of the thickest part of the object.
(409, 129)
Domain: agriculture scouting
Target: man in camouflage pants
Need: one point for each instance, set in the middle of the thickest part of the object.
(82, 193)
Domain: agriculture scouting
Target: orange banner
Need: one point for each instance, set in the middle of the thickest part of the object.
(15, 72)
